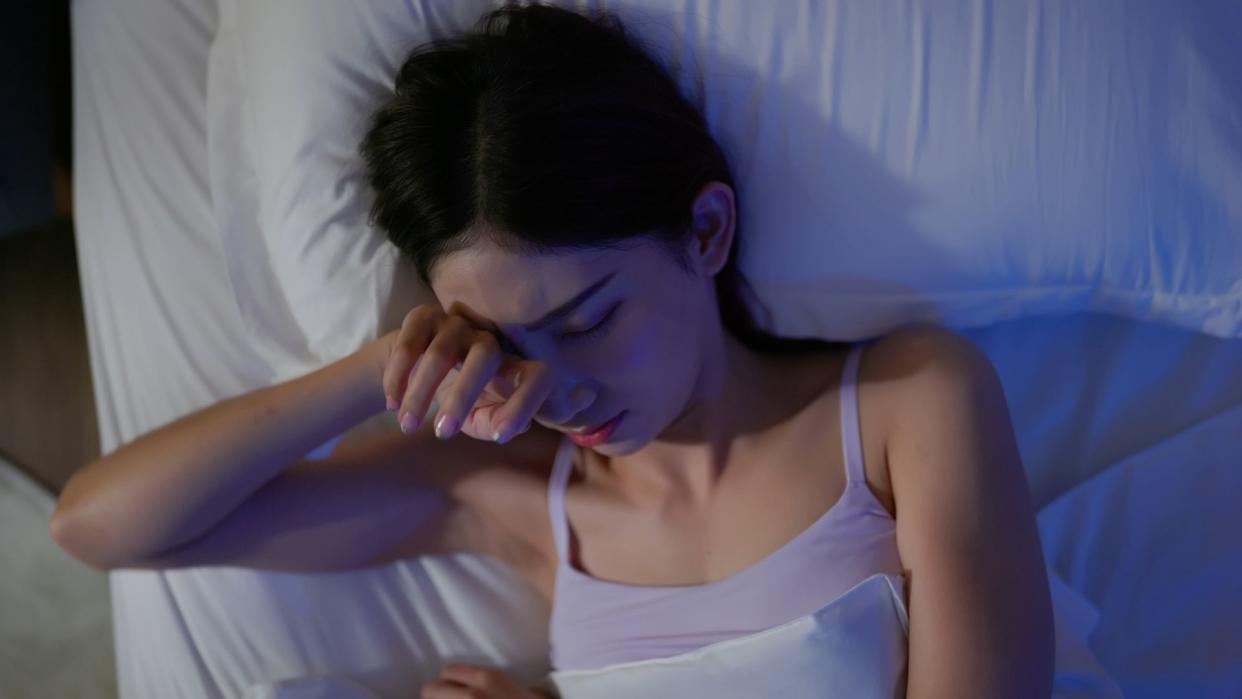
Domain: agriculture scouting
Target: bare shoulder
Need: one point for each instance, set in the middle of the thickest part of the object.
(921, 373)
(926, 348)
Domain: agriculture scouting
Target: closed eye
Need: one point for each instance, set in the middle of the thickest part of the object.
(594, 332)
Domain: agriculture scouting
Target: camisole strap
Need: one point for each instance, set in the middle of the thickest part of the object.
(562, 468)
(851, 441)
(851, 433)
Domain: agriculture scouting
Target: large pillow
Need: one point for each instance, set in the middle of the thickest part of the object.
(290, 87)
(956, 162)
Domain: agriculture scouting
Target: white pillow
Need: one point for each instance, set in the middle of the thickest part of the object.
(290, 87)
(954, 162)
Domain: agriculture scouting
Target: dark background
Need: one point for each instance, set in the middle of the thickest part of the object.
(47, 411)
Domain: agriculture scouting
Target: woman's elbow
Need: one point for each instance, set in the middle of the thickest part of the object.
(79, 540)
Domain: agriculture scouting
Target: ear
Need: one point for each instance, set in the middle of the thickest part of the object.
(714, 215)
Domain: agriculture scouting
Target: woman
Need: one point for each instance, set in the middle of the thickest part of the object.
(631, 426)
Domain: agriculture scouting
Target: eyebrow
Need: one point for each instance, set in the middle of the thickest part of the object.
(565, 308)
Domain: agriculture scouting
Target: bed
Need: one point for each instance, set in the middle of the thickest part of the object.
(223, 246)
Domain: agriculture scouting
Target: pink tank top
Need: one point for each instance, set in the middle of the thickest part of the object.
(596, 622)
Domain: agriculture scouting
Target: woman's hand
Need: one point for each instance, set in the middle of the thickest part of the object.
(480, 391)
(471, 682)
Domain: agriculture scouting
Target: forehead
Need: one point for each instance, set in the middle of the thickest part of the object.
(508, 287)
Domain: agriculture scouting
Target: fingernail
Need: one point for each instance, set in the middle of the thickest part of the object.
(500, 434)
(445, 426)
(409, 423)
(392, 402)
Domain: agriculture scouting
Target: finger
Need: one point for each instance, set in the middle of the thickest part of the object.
(441, 689)
(417, 329)
(513, 416)
(481, 363)
(441, 356)
(508, 377)
(562, 406)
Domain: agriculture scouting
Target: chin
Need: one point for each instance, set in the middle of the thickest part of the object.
(615, 450)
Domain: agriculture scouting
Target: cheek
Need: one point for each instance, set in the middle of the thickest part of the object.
(624, 356)
(654, 350)
(646, 352)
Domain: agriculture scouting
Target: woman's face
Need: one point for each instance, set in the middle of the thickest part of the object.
(636, 336)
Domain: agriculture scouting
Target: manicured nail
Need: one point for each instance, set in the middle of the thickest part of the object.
(409, 423)
(505, 433)
(445, 426)
(392, 402)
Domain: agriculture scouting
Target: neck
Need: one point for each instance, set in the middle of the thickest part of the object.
(729, 401)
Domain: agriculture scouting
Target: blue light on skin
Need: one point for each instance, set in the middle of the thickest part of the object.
(692, 390)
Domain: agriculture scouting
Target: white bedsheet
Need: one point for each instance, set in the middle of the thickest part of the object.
(1152, 541)
(166, 338)
(1087, 389)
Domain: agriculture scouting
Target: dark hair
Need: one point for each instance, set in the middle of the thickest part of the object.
(551, 131)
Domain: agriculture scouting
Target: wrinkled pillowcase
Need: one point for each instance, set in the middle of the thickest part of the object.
(894, 163)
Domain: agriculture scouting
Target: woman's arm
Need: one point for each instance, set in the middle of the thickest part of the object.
(178, 481)
(980, 608)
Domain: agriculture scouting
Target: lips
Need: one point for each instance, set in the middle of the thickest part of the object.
(593, 428)
(600, 435)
